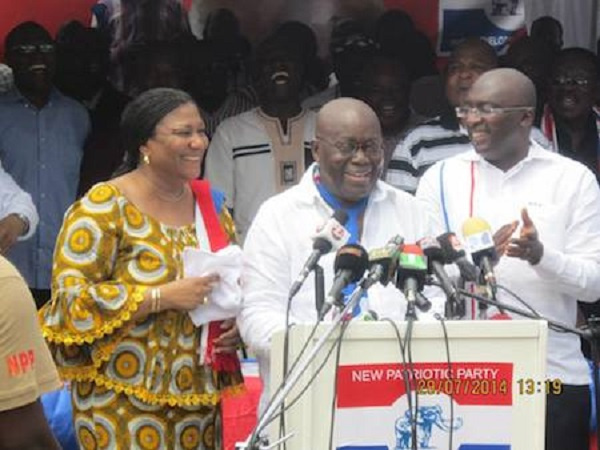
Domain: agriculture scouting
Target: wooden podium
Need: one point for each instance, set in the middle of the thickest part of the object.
(489, 393)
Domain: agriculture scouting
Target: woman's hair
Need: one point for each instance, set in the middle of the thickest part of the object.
(139, 120)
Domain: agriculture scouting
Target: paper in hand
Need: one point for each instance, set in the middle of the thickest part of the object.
(226, 298)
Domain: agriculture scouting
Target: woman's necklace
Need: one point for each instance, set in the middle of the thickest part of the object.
(170, 198)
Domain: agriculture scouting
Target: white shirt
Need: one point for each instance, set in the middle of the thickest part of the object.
(14, 200)
(240, 162)
(563, 200)
(429, 143)
(279, 243)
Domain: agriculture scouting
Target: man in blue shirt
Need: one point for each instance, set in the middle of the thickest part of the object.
(42, 134)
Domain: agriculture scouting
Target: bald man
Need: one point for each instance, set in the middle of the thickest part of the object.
(545, 209)
(443, 136)
(349, 157)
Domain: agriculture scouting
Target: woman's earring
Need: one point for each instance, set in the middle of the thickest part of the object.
(146, 159)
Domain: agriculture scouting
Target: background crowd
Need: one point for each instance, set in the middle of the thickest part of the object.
(252, 114)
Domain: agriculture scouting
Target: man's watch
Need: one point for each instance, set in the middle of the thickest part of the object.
(25, 220)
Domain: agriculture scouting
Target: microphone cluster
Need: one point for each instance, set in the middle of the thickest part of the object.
(406, 265)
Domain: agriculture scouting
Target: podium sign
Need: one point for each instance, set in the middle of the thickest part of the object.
(481, 394)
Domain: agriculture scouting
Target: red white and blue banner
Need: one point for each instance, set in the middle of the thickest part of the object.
(447, 22)
(372, 411)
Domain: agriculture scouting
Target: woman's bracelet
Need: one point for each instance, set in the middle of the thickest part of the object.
(155, 298)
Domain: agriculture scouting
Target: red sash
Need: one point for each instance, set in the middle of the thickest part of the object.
(218, 239)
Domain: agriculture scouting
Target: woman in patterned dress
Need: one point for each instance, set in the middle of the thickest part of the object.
(118, 323)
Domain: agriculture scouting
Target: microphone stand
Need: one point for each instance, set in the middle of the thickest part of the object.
(524, 313)
(591, 334)
(319, 288)
(253, 442)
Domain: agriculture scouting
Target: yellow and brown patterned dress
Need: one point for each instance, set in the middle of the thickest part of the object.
(134, 384)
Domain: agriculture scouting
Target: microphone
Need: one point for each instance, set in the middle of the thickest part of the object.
(480, 242)
(331, 236)
(436, 260)
(383, 262)
(454, 253)
(350, 264)
(410, 277)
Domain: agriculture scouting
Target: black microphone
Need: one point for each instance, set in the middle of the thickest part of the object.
(480, 242)
(410, 278)
(454, 253)
(435, 264)
(383, 262)
(350, 264)
(331, 236)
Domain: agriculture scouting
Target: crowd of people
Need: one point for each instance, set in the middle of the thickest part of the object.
(105, 132)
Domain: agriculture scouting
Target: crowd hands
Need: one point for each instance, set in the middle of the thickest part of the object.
(384, 72)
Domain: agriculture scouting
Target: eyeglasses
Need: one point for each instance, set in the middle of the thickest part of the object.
(349, 148)
(182, 133)
(457, 67)
(568, 81)
(488, 110)
(28, 49)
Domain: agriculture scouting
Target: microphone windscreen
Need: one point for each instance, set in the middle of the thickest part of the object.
(475, 225)
(479, 238)
(412, 257)
(432, 249)
(353, 258)
(451, 247)
(332, 234)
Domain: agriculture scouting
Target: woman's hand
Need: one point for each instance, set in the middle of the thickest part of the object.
(188, 293)
(230, 340)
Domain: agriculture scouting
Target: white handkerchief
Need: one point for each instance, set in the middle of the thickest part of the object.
(226, 298)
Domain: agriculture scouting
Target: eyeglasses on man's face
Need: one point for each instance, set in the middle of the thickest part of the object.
(348, 148)
(486, 111)
(28, 49)
(578, 82)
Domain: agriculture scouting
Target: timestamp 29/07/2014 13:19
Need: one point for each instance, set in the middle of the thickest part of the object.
(524, 386)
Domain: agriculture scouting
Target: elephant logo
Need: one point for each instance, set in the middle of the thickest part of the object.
(426, 418)
(504, 7)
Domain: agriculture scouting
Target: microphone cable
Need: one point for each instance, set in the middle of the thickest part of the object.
(519, 299)
(295, 363)
(286, 350)
(406, 378)
(310, 381)
(450, 378)
(408, 340)
(338, 354)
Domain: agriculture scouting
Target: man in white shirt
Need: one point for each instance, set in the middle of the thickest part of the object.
(349, 156)
(265, 150)
(546, 210)
(18, 216)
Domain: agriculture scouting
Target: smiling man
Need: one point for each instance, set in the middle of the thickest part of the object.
(441, 137)
(42, 134)
(546, 210)
(264, 151)
(384, 84)
(349, 156)
(571, 119)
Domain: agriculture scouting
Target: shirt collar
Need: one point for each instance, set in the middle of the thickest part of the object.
(536, 151)
(15, 96)
(308, 193)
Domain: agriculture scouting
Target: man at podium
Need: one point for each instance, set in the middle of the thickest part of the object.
(349, 158)
(545, 211)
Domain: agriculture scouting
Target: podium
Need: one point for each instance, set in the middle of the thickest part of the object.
(489, 393)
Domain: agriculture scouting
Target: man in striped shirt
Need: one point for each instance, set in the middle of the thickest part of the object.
(442, 136)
